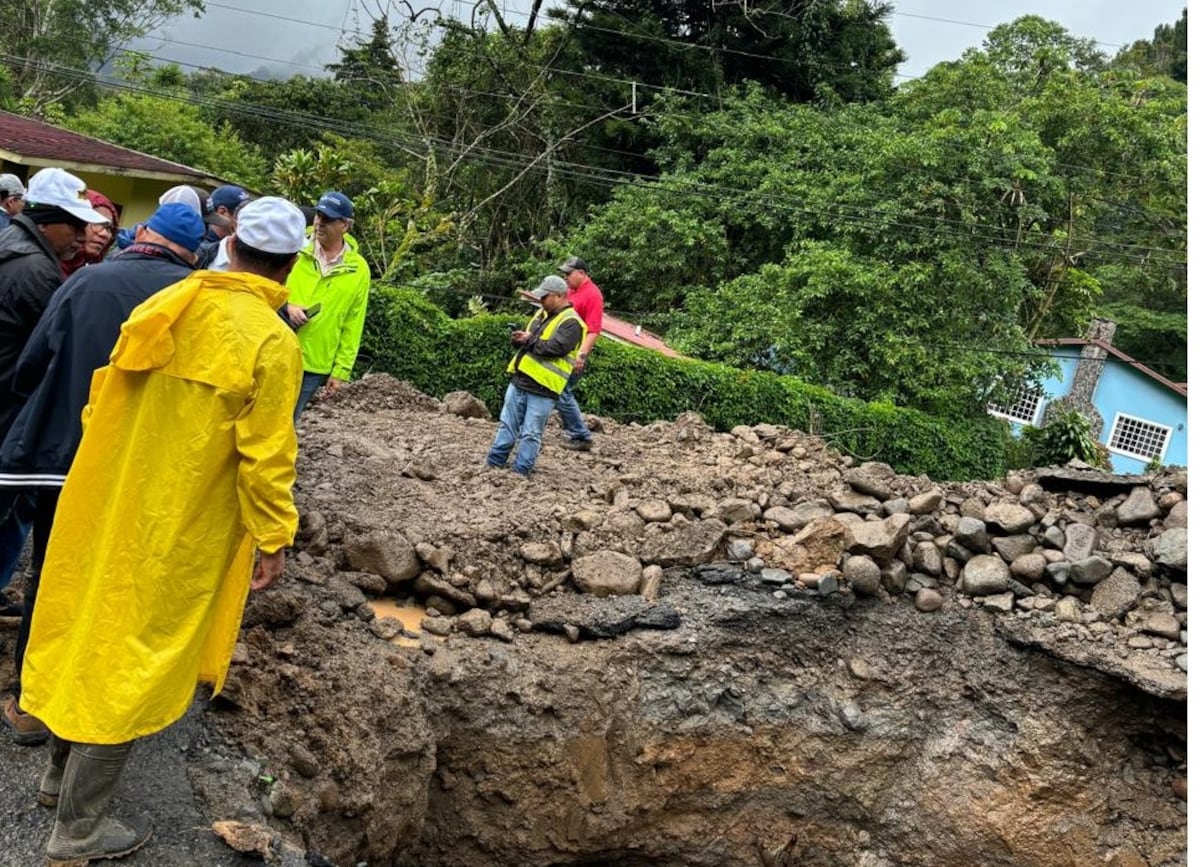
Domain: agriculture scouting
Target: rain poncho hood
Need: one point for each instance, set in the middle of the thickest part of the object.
(185, 467)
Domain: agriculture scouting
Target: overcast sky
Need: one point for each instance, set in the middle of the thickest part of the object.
(299, 36)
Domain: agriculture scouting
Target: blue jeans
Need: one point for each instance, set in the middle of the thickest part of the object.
(569, 413)
(18, 505)
(522, 420)
(308, 387)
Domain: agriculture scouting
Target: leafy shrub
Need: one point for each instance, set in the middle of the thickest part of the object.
(410, 338)
(1066, 438)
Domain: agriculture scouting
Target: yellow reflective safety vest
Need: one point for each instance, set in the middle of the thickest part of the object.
(551, 373)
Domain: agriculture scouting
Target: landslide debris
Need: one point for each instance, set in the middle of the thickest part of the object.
(691, 647)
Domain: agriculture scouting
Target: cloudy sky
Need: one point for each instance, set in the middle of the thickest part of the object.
(288, 37)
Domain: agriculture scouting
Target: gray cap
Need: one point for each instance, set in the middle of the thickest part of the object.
(10, 185)
(551, 285)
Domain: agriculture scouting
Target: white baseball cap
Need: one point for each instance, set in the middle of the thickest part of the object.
(272, 225)
(10, 185)
(183, 194)
(60, 189)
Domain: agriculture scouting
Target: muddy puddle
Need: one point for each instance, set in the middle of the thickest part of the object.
(408, 614)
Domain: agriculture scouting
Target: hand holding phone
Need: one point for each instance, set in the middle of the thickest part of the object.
(313, 311)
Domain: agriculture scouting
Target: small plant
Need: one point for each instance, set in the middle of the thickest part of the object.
(1068, 437)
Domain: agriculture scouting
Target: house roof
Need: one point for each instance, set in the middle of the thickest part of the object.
(627, 332)
(33, 143)
(1179, 388)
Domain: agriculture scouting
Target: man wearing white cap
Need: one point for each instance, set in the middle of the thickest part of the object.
(192, 418)
(12, 198)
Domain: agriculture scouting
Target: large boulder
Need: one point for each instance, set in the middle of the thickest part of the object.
(788, 519)
(384, 553)
(687, 544)
(819, 545)
(972, 534)
(1139, 507)
(1009, 517)
(607, 573)
(1080, 542)
(984, 575)
(879, 540)
(862, 573)
(872, 478)
(1170, 549)
(927, 559)
(1012, 547)
(926, 502)
(1116, 595)
(1091, 570)
(465, 405)
(1177, 517)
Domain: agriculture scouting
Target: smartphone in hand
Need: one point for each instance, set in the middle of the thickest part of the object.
(310, 312)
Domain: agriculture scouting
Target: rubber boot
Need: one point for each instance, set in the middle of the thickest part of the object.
(82, 831)
(51, 782)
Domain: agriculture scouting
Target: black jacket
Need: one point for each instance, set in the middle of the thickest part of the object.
(75, 336)
(565, 340)
(29, 273)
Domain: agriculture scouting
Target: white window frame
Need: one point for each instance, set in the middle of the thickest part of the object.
(1037, 410)
(1112, 434)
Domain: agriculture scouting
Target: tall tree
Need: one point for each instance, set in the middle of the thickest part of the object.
(1164, 54)
(40, 36)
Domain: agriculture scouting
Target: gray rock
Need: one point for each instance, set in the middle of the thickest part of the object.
(428, 584)
(715, 574)
(872, 478)
(1177, 517)
(734, 510)
(607, 573)
(1011, 547)
(852, 716)
(654, 511)
(685, 545)
(895, 507)
(1181, 662)
(927, 558)
(862, 573)
(500, 629)
(926, 502)
(1139, 508)
(435, 556)
(1090, 570)
(776, 576)
(1116, 595)
(894, 576)
(387, 554)
(1080, 542)
(740, 549)
(442, 626)
(590, 617)
(465, 405)
(386, 628)
(1028, 567)
(956, 552)
(541, 553)
(788, 519)
(755, 564)
(1137, 563)
(811, 510)
(475, 622)
(879, 540)
(1179, 595)
(1000, 603)
(827, 584)
(1058, 573)
(1161, 623)
(1054, 537)
(928, 600)
(585, 519)
(1011, 518)
(972, 534)
(985, 574)
(846, 500)
(1170, 549)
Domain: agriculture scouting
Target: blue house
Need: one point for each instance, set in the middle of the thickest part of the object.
(1138, 414)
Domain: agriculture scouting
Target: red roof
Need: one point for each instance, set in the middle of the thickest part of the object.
(626, 332)
(34, 143)
(1179, 388)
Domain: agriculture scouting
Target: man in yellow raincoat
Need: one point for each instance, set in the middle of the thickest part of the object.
(185, 468)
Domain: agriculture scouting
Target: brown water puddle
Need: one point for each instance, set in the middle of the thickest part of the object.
(409, 615)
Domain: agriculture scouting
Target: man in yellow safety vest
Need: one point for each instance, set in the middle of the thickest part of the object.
(546, 351)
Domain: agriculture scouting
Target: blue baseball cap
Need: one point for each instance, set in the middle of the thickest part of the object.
(335, 206)
(177, 222)
(228, 196)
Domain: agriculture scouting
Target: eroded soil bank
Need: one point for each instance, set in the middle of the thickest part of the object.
(729, 721)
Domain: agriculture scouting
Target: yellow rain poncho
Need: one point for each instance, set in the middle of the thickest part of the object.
(186, 465)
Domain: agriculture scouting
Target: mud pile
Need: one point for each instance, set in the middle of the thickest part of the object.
(687, 647)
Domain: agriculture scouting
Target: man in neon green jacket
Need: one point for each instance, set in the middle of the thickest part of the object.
(327, 299)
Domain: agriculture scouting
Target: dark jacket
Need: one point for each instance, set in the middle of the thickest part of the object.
(29, 273)
(562, 342)
(74, 338)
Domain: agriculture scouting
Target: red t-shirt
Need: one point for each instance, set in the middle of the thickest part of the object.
(588, 303)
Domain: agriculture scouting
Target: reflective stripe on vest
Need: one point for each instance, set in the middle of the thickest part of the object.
(551, 373)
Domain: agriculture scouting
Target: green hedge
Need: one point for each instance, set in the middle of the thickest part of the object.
(412, 339)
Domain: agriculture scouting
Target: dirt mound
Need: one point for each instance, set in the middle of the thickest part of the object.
(690, 647)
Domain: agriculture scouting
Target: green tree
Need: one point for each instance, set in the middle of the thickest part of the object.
(41, 36)
(1164, 54)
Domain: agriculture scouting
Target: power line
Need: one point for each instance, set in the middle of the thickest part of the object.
(845, 215)
(980, 26)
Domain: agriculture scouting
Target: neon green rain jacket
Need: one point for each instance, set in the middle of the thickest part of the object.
(186, 465)
(329, 341)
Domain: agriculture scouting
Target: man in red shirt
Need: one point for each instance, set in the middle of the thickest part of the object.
(585, 297)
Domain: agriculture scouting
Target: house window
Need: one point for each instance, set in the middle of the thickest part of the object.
(1025, 408)
(1139, 438)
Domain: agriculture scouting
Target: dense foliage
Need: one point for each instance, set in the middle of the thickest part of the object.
(413, 339)
(745, 178)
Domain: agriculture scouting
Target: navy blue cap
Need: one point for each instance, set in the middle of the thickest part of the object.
(228, 196)
(335, 206)
(177, 222)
